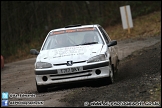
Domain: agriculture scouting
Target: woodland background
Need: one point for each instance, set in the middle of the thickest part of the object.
(25, 24)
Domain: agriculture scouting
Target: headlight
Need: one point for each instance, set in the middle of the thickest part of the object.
(40, 65)
(97, 58)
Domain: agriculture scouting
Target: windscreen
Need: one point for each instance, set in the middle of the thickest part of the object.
(72, 37)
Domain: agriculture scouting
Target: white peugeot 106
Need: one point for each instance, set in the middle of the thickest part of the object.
(75, 53)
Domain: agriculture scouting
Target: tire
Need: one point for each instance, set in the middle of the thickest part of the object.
(111, 76)
(41, 89)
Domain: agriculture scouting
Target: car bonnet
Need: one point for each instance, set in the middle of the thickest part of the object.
(74, 53)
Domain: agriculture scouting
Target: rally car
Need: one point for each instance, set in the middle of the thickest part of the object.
(75, 53)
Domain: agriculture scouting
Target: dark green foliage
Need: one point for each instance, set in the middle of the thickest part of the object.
(25, 21)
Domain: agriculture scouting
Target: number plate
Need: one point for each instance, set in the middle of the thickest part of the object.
(70, 70)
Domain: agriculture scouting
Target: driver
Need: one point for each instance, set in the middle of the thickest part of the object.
(88, 38)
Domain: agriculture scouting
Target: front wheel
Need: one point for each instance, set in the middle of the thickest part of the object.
(41, 89)
(111, 74)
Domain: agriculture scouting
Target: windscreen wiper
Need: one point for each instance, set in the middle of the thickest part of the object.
(87, 43)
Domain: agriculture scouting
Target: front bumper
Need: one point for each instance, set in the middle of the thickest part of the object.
(91, 71)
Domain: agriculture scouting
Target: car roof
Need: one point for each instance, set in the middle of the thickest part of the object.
(75, 26)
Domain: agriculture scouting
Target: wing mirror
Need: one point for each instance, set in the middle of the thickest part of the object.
(112, 43)
(34, 52)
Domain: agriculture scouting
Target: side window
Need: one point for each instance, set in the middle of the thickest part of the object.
(104, 35)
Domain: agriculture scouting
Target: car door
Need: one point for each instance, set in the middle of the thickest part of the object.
(113, 52)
